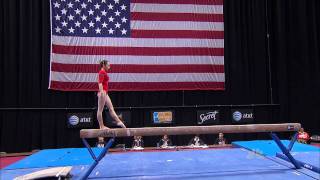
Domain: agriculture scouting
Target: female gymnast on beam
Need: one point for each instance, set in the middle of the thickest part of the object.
(104, 99)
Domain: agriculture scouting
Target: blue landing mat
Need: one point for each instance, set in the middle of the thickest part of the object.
(310, 160)
(56, 157)
(200, 164)
(270, 148)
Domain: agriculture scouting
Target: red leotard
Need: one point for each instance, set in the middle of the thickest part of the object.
(104, 79)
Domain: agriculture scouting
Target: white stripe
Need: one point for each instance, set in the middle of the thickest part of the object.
(177, 25)
(176, 8)
(94, 59)
(140, 77)
(136, 42)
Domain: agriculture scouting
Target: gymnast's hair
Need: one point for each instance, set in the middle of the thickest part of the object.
(103, 62)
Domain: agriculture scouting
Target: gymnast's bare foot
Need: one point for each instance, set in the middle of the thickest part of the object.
(120, 123)
(104, 127)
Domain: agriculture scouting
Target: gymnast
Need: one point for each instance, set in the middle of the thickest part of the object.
(104, 99)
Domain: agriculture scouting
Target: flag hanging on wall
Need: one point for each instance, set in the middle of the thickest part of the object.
(152, 45)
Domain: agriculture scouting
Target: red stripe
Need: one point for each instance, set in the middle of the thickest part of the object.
(176, 17)
(138, 51)
(207, 2)
(130, 68)
(138, 86)
(177, 34)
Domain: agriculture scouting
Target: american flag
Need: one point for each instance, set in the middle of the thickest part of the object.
(152, 45)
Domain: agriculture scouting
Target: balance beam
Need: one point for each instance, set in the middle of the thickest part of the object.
(184, 130)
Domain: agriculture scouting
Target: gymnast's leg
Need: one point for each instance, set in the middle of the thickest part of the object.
(101, 102)
(112, 113)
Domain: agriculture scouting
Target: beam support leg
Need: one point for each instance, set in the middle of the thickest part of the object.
(286, 151)
(96, 159)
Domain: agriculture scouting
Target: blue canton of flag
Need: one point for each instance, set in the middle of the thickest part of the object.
(91, 18)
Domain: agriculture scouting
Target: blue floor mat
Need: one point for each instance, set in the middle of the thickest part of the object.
(235, 164)
(270, 148)
(56, 157)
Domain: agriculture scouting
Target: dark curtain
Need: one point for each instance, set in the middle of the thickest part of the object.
(294, 59)
(295, 56)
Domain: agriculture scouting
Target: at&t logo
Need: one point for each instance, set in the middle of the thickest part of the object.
(73, 120)
(237, 115)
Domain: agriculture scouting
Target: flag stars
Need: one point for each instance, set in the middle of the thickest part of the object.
(124, 20)
(104, 13)
(84, 18)
(123, 31)
(91, 24)
(104, 25)
(70, 17)
(90, 17)
(117, 13)
(123, 7)
(77, 11)
(58, 30)
(110, 31)
(110, 6)
(97, 6)
(98, 18)
(64, 24)
(77, 24)
(70, 5)
(117, 25)
(83, 5)
(90, 12)
(64, 11)
(111, 19)
(98, 31)
(56, 5)
(57, 17)
(84, 30)
(71, 30)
